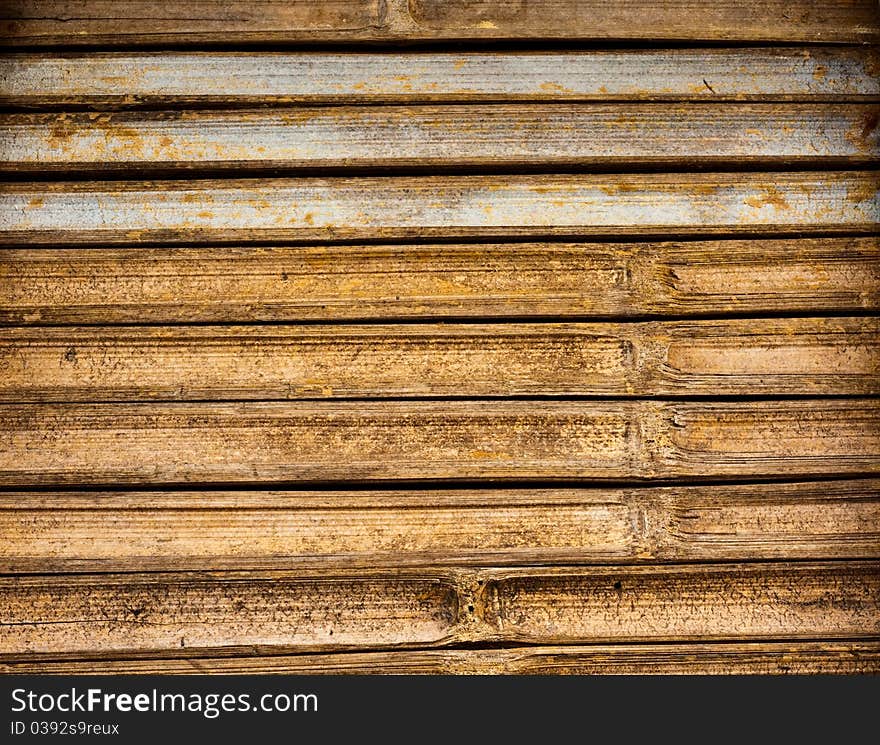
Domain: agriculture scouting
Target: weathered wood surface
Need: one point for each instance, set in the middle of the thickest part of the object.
(305, 442)
(715, 658)
(192, 613)
(812, 356)
(401, 207)
(791, 20)
(235, 285)
(171, 78)
(123, 531)
(608, 135)
(605, 466)
(132, 22)
(683, 602)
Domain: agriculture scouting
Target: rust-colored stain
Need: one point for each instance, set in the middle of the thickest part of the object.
(872, 64)
(771, 197)
(621, 188)
(865, 192)
(862, 134)
(554, 88)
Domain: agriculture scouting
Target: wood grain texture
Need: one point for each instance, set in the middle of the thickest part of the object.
(798, 20)
(814, 356)
(609, 135)
(683, 602)
(401, 207)
(172, 78)
(657, 454)
(158, 531)
(716, 658)
(304, 442)
(130, 22)
(117, 23)
(195, 613)
(129, 612)
(235, 285)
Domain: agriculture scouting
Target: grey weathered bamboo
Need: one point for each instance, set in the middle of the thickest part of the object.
(133, 22)
(268, 612)
(401, 207)
(235, 285)
(123, 531)
(608, 135)
(175, 79)
(715, 658)
(839, 356)
(304, 442)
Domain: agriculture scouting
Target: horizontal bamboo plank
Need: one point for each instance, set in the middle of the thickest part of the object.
(725, 601)
(815, 356)
(235, 285)
(173, 78)
(114, 613)
(716, 658)
(45, 444)
(798, 20)
(610, 135)
(46, 532)
(131, 22)
(164, 614)
(385, 207)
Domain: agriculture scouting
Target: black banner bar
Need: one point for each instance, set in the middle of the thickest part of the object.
(132, 709)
